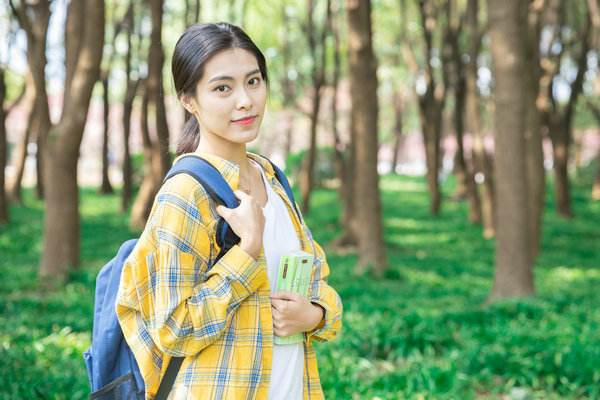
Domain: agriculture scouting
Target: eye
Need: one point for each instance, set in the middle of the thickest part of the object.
(222, 88)
(254, 81)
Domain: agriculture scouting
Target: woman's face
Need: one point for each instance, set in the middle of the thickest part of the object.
(230, 99)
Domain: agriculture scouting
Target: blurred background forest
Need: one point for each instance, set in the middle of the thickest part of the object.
(445, 152)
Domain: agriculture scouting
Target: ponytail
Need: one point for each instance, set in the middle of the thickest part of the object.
(190, 137)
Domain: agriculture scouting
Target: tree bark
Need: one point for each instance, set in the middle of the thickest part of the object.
(339, 161)
(596, 186)
(398, 104)
(513, 275)
(61, 219)
(20, 153)
(105, 187)
(557, 117)
(482, 164)
(595, 109)
(317, 48)
(160, 159)
(34, 20)
(3, 150)
(431, 103)
(130, 93)
(466, 187)
(534, 155)
(363, 93)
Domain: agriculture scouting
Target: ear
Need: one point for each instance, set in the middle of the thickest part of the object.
(188, 103)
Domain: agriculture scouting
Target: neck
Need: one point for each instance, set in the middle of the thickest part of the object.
(235, 153)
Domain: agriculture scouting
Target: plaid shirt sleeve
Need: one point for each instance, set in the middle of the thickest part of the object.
(184, 306)
(324, 295)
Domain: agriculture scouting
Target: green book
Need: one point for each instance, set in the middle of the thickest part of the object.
(295, 269)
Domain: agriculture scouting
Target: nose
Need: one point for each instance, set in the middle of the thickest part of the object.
(244, 101)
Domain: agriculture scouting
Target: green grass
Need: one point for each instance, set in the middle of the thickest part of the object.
(423, 331)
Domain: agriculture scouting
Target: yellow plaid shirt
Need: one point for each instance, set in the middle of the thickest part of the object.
(171, 304)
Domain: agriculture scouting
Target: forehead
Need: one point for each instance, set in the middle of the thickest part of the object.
(230, 63)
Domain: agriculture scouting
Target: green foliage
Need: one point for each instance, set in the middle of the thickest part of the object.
(423, 331)
(323, 169)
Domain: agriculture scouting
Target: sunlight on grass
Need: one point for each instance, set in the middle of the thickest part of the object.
(564, 274)
(412, 239)
(422, 331)
(404, 186)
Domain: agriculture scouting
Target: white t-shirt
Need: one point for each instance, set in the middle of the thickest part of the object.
(280, 236)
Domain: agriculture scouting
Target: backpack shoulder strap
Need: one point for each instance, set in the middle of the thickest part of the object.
(286, 185)
(217, 187)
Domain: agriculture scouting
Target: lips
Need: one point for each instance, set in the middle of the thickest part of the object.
(245, 120)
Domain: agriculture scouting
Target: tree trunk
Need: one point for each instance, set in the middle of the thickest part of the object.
(398, 104)
(559, 118)
(318, 52)
(306, 173)
(534, 155)
(363, 94)
(61, 219)
(3, 150)
(514, 271)
(466, 186)
(20, 152)
(596, 187)
(431, 103)
(595, 109)
(105, 187)
(288, 86)
(39, 157)
(160, 159)
(559, 134)
(127, 192)
(145, 197)
(130, 92)
(338, 145)
(482, 165)
(34, 20)
(430, 115)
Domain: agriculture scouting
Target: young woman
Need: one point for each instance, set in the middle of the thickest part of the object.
(172, 300)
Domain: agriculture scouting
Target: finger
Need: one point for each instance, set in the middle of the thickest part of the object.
(240, 194)
(277, 305)
(223, 211)
(284, 295)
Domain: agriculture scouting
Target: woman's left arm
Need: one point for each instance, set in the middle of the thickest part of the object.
(323, 295)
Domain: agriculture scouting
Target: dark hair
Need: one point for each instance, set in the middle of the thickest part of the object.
(198, 44)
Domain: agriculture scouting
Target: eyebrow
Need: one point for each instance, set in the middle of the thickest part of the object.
(230, 78)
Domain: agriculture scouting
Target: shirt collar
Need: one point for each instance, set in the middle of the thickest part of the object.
(230, 170)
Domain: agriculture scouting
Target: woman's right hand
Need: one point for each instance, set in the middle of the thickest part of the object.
(247, 221)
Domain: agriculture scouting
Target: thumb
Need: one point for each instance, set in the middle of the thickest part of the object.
(223, 211)
(284, 295)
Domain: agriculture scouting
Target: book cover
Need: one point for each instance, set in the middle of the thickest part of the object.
(295, 269)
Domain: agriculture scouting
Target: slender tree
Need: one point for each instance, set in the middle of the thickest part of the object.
(83, 52)
(595, 109)
(482, 163)
(559, 117)
(363, 94)
(3, 149)
(513, 275)
(466, 186)
(316, 44)
(156, 152)
(33, 19)
(132, 83)
(118, 22)
(432, 99)
(534, 155)
(192, 12)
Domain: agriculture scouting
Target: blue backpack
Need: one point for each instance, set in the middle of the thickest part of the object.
(111, 365)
